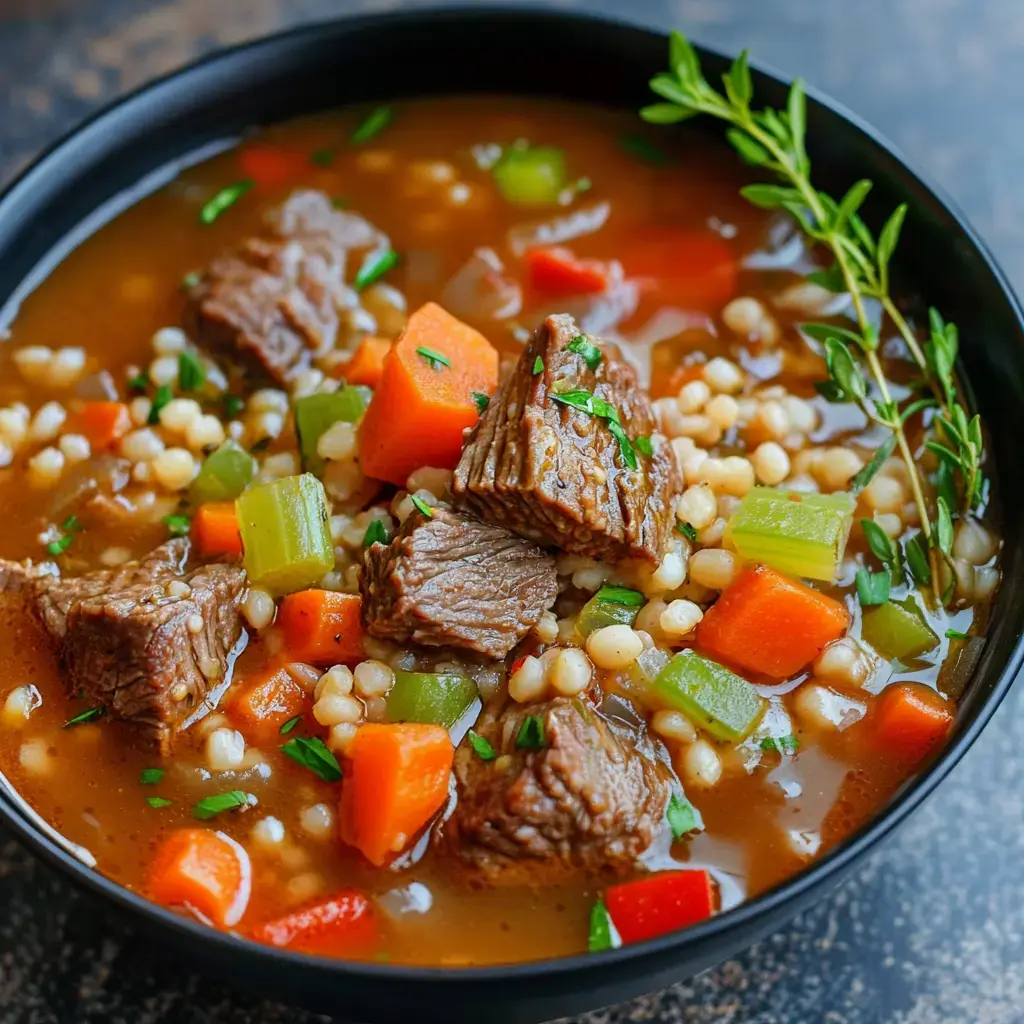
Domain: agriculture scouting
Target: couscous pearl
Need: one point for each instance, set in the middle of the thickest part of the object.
(340, 736)
(723, 375)
(268, 400)
(20, 703)
(712, 535)
(33, 363)
(890, 522)
(225, 749)
(527, 683)
(693, 396)
(800, 413)
(723, 411)
(175, 468)
(843, 661)
(13, 426)
(746, 317)
(546, 630)
(115, 556)
(837, 467)
(278, 465)
(164, 370)
(306, 383)
(6, 454)
(614, 647)
(731, 475)
(713, 568)
(258, 608)
(373, 678)
(66, 366)
(45, 468)
(673, 725)
(649, 618)
(47, 422)
(884, 494)
(194, 624)
(305, 886)
(35, 757)
(75, 447)
(692, 465)
(169, 341)
(771, 463)
(699, 764)
(178, 588)
(336, 681)
(822, 708)
(266, 424)
(973, 543)
(179, 413)
(697, 506)
(680, 618)
(672, 571)
(204, 432)
(570, 672)
(337, 442)
(333, 709)
(141, 445)
(771, 419)
(429, 478)
(139, 410)
(268, 832)
(317, 820)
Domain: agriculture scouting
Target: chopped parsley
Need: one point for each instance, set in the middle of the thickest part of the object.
(481, 747)
(191, 373)
(374, 267)
(163, 395)
(873, 587)
(420, 505)
(376, 533)
(584, 347)
(233, 405)
(374, 124)
(609, 594)
(531, 734)
(60, 545)
(289, 725)
(211, 806)
(955, 634)
(481, 400)
(340, 203)
(592, 405)
(178, 525)
(139, 382)
(322, 158)
(225, 198)
(190, 280)
(72, 524)
(151, 776)
(644, 445)
(158, 801)
(602, 931)
(687, 531)
(643, 150)
(86, 716)
(538, 366)
(312, 753)
(781, 744)
(435, 360)
(625, 446)
(681, 817)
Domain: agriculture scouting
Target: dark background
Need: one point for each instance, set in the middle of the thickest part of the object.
(931, 930)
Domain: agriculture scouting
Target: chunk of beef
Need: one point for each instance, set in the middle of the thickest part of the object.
(150, 641)
(587, 801)
(273, 306)
(555, 473)
(452, 581)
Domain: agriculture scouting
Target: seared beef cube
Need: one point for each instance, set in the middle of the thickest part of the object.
(557, 474)
(585, 801)
(149, 641)
(274, 305)
(452, 581)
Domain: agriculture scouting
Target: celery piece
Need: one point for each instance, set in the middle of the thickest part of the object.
(225, 473)
(898, 630)
(531, 175)
(715, 698)
(316, 414)
(286, 537)
(596, 614)
(801, 534)
(426, 697)
(647, 667)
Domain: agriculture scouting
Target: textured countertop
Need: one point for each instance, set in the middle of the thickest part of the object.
(931, 930)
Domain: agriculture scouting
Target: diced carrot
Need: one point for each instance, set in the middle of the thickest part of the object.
(367, 362)
(770, 624)
(910, 721)
(556, 273)
(341, 924)
(104, 423)
(693, 269)
(421, 405)
(215, 529)
(397, 780)
(272, 166)
(321, 626)
(266, 701)
(662, 903)
(204, 871)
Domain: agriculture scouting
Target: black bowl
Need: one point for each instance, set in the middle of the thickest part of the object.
(98, 170)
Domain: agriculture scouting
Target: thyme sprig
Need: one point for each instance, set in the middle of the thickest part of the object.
(775, 140)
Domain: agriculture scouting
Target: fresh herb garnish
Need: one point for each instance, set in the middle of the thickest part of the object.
(312, 753)
(481, 746)
(374, 124)
(211, 806)
(915, 550)
(190, 280)
(872, 587)
(374, 267)
(421, 505)
(178, 525)
(340, 203)
(582, 185)
(376, 533)
(222, 200)
(538, 366)
(60, 545)
(233, 405)
(602, 933)
(158, 801)
(289, 725)
(435, 360)
(191, 372)
(151, 776)
(644, 445)
(625, 445)
(884, 549)
(592, 405)
(481, 400)
(609, 594)
(584, 347)
(531, 733)
(322, 158)
(781, 744)
(687, 531)
(86, 716)
(163, 395)
(139, 382)
(643, 150)
(72, 524)
(681, 816)
(955, 634)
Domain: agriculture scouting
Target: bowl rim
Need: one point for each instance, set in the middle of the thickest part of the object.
(789, 891)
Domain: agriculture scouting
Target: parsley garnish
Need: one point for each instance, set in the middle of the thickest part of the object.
(211, 806)
(222, 200)
(289, 725)
(584, 347)
(151, 776)
(782, 744)
(191, 373)
(60, 545)
(602, 934)
(72, 524)
(163, 395)
(158, 801)
(538, 366)
(681, 816)
(421, 505)
(531, 734)
(233, 405)
(312, 753)
(687, 531)
(190, 280)
(955, 634)
(481, 746)
(625, 446)
(85, 716)
(873, 587)
(374, 267)
(374, 124)
(435, 360)
(322, 157)
(178, 525)
(581, 399)
(609, 594)
(644, 445)
(481, 400)
(340, 203)
(376, 533)
(139, 382)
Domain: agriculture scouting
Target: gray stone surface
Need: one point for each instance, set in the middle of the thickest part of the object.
(931, 930)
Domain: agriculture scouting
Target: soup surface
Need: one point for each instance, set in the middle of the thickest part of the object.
(267, 744)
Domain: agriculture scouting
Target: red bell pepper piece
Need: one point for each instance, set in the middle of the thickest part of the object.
(557, 273)
(693, 269)
(340, 924)
(272, 166)
(660, 904)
